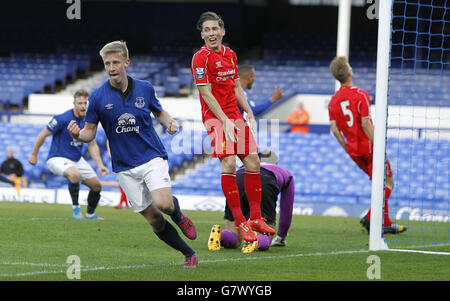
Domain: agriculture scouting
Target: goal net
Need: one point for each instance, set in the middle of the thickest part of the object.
(418, 124)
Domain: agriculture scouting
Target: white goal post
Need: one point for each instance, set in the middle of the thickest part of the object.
(376, 241)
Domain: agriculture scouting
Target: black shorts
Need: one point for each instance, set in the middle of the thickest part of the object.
(269, 195)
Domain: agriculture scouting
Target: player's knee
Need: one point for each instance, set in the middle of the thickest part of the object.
(166, 206)
(96, 186)
(73, 177)
(229, 164)
(252, 162)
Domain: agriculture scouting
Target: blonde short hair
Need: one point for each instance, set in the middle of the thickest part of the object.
(116, 46)
(80, 92)
(340, 68)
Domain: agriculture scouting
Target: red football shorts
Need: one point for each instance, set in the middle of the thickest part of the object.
(365, 162)
(220, 147)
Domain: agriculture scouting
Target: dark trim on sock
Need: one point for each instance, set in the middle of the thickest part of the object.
(176, 214)
(74, 189)
(171, 237)
(92, 200)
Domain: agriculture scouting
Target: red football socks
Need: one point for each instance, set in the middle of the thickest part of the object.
(387, 194)
(252, 185)
(231, 193)
(387, 221)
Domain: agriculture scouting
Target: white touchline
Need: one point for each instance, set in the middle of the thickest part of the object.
(140, 266)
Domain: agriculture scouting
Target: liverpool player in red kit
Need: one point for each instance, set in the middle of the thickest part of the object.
(214, 68)
(350, 118)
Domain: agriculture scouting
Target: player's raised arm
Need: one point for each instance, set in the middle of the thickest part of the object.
(87, 134)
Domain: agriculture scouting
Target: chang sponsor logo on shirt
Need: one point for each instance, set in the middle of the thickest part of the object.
(76, 143)
(127, 123)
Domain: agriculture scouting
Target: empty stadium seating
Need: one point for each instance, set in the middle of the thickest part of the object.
(24, 73)
(297, 77)
(323, 172)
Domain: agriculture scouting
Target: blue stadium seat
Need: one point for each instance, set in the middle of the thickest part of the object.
(172, 85)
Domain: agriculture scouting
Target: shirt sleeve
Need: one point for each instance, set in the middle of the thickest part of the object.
(234, 58)
(91, 113)
(155, 105)
(261, 107)
(286, 205)
(199, 69)
(364, 105)
(330, 112)
(54, 124)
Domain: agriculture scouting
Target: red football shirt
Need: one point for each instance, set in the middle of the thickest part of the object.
(218, 69)
(347, 107)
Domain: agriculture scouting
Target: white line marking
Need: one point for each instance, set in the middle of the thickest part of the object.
(418, 251)
(140, 266)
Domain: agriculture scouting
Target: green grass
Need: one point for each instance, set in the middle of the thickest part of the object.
(36, 239)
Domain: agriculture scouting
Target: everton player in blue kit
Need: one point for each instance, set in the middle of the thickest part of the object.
(123, 106)
(65, 156)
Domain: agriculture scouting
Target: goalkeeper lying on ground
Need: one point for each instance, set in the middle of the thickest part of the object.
(275, 179)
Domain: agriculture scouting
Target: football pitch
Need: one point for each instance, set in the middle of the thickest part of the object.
(36, 241)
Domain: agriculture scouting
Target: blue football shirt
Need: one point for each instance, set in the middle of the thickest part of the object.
(63, 145)
(125, 117)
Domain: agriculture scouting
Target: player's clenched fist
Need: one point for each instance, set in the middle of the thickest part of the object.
(32, 159)
(173, 127)
(73, 129)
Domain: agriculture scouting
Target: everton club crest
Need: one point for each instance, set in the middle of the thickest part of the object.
(139, 103)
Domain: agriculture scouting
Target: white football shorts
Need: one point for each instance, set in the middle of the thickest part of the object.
(58, 165)
(138, 182)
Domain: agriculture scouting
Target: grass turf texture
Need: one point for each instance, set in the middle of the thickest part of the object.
(36, 240)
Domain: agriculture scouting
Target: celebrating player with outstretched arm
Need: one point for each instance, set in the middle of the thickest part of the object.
(350, 118)
(123, 106)
(215, 72)
(65, 160)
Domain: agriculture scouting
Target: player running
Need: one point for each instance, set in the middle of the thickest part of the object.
(123, 106)
(65, 156)
(215, 72)
(350, 118)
